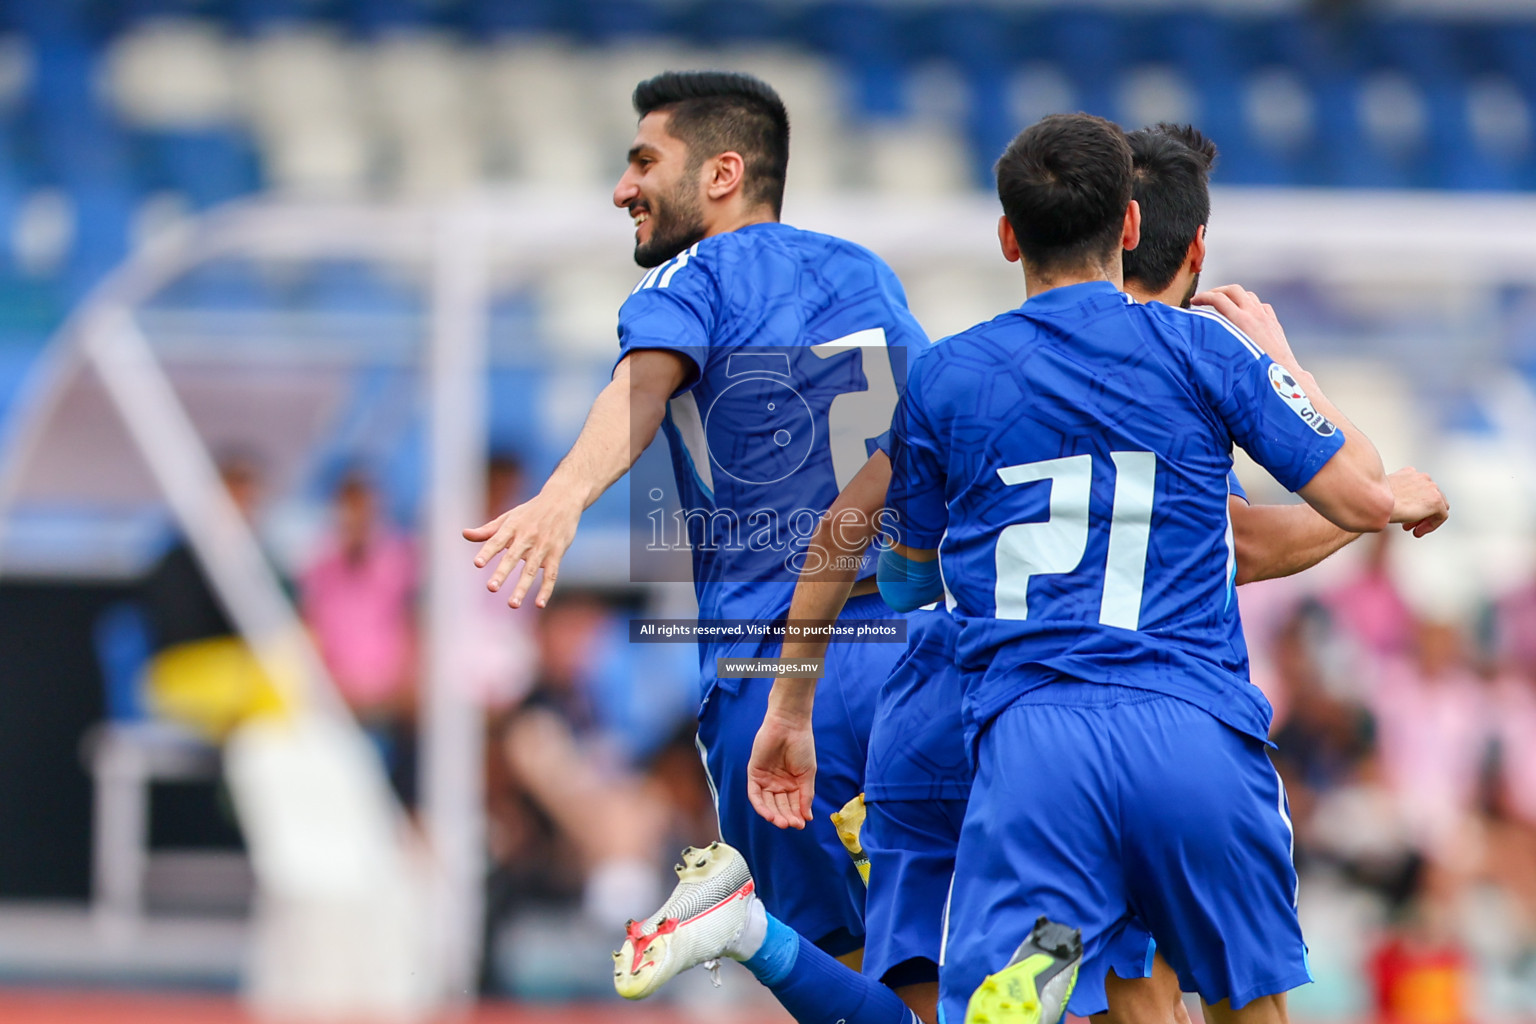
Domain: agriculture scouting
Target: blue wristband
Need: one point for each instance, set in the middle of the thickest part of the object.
(907, 585)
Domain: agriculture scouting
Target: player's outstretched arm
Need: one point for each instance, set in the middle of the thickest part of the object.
(781, 775)
(1281, 540)
(624, 418)
(1351, 489)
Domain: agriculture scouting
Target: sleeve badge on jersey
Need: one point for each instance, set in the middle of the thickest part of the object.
(1291, 392)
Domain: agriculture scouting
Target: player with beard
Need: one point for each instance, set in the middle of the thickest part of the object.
(917, 779)
(771, 358)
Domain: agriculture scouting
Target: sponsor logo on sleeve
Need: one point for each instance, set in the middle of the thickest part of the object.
(1290, 391)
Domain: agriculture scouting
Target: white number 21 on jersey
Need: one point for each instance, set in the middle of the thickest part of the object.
(1026, 550)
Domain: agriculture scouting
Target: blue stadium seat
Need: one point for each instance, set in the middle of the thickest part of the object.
(222, 285)
(1341, 155)
(1206, 49)
(1453, 157)
(863, 37)
(372, 17)
(209, 167)
(18, 351)
(609, 21)
(352, 286)
(51, 19)
(744, 21)
(1415, 46)
(501, 17)
(979, 43)
(103, 223)
(1089, 46)
(253, 15)
(121, 636)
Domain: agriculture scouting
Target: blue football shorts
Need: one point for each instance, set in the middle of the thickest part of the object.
(915, 789)
(1106, 807)
(805, 878)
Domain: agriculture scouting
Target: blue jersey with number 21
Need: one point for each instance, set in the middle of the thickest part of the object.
(1070, 461)
(798, 347)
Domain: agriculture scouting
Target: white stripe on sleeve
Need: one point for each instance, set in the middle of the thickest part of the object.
(1258, 353)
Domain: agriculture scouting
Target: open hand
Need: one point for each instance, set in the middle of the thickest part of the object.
(781, 775)
(1254, 317)
(536, 533)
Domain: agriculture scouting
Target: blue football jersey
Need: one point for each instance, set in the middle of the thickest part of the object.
(798, 345)
(1070, 459)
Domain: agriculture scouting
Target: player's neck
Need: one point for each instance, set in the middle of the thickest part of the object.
(1178, 292)
(1038, 281)
(1171, 296)
(735, 220)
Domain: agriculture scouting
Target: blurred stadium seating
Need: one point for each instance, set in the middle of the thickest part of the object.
(119, 120)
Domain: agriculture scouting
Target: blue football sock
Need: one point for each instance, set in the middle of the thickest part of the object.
(818, 989)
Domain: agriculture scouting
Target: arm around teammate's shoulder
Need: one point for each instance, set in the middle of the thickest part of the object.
(1350, 489)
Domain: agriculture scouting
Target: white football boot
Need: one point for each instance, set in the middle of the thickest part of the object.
(698, 924)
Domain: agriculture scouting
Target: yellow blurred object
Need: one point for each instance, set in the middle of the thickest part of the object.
(211, 686)
(849, 822)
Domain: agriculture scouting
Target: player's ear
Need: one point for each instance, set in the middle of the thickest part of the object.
(1195, 257)
(725, 173)
(1008, 240)
(1130, 232)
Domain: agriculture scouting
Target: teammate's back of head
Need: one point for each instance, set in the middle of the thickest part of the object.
(1170, 176)
(715, 112)
(1064, 183)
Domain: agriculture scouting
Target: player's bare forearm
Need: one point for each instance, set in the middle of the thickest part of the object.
(781, 773)
(1351, 489)
(624, 419)
(832, 560)
(621, 424)
(1281, 540)
(836, 551)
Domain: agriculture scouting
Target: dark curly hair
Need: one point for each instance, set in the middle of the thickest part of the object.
(715, 112)
(1065, 182)
(1170, 178)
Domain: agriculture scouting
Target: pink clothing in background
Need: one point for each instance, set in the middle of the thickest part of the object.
(1514, 699)
(362, 615)
(1372, 611)
(1433, 735)
(1516, 623)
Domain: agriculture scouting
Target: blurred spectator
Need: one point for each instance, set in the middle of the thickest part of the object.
(563, 760)
(502, 664)
(1419, 977)
(1514, 701)
(1370, 607)
(1325, 738)
(358, 599)
(1440, 729)
(202, 674)
(1435, 728)
(1515, 631)
(1342, 812)
(576, 820)
(1267, 608)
